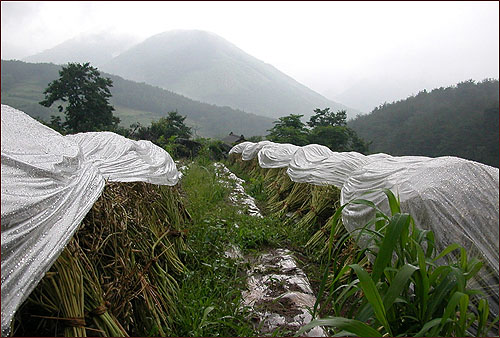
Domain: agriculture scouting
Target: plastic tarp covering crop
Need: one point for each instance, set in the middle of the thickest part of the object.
(238, 149)
(49, 185)
(304, 161)
(121, 159)
(455, 198)
(251, 150)
(318, 165)
(276, 155)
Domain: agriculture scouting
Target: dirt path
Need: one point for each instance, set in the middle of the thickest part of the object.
(278, 293)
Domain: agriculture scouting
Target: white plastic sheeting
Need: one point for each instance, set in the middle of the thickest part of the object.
(276, 155)
(318, 165)
(49, 185)
(121, 159)
(238, 149)
(455, 198)
(251, 150)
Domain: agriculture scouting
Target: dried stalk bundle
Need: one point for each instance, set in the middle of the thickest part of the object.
(117, 276)
(278, 190)
(234, 159)
(297, 200)
(257, 170)
(323, 203)
(320, 237)
(272, 175)
(248, 166)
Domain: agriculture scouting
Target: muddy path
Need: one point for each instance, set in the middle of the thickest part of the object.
(278, 293)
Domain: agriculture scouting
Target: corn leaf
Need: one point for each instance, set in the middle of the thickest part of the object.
(372, 295)
(398, 284)
(356, 327)
(394, 229)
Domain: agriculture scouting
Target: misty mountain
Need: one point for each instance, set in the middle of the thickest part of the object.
(459, 120)
(96, 48)
(23, 84)
(368, 93)
(206, 67)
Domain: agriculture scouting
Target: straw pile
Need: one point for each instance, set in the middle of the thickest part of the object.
(117, 276)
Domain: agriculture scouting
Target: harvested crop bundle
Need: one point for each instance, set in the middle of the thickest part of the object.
(118, 274)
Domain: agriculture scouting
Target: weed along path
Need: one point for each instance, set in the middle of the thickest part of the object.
(278, 293)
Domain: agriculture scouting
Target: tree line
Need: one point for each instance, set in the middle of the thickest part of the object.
(460, 120)
(325, 127)
(83, 96)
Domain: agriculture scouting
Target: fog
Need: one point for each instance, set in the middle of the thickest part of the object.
(360, 54)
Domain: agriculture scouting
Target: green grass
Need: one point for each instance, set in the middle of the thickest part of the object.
(210, 293)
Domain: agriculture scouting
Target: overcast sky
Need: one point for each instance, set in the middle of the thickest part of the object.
(328, 46)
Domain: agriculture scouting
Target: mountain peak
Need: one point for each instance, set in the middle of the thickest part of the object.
(206, 67)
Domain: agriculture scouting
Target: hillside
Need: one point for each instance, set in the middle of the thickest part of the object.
(205, 67)
(23, 85)
(459, 120)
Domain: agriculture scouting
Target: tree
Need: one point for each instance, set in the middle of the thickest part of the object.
(171, 125)
(85, 99)
(330, 129)
(289, 129)
(326, 117)
(166, 128)
(168, 132)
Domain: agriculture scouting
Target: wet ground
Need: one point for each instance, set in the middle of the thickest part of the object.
(278, 293)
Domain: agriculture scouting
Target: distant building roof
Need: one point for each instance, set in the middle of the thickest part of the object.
(233, 139)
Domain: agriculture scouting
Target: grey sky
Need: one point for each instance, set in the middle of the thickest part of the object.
(328, 46)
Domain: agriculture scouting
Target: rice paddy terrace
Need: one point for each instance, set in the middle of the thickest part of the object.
(255, 246)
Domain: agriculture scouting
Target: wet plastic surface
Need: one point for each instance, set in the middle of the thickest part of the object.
(49, 183)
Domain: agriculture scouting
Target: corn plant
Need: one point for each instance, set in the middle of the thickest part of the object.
(410, 289)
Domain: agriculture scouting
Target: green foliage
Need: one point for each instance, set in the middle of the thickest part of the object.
(165, 130)
(85, 96)
(327, 128)
(210, 150)
(334, 137)
(289, 129)
(461, 120)
(255, 139)
(172, 125)
(405, 293)
(325, 117)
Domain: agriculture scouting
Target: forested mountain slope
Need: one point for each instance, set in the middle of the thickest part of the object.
(461, 120)
(206, 67)
(23, 85)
